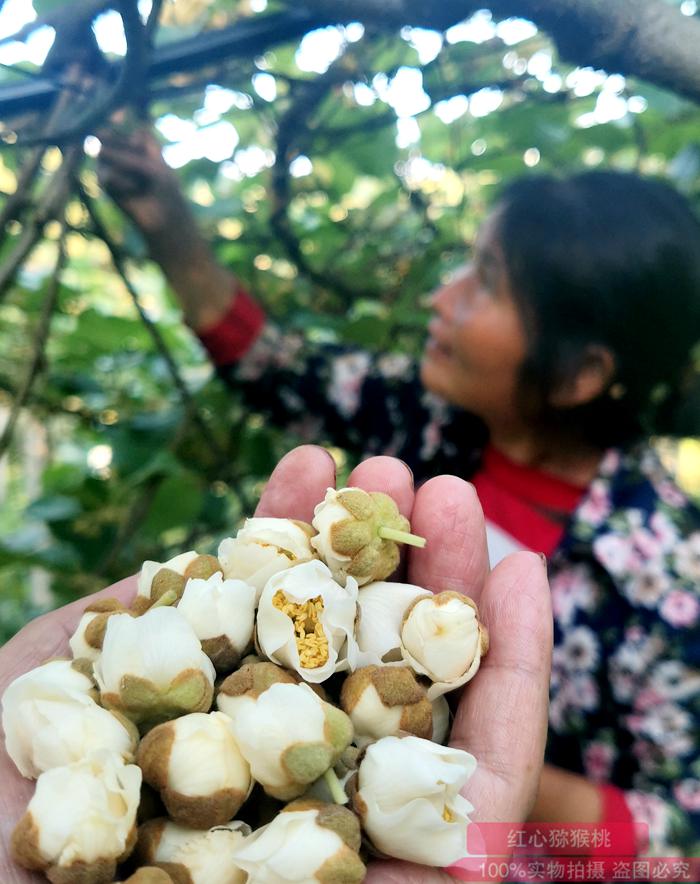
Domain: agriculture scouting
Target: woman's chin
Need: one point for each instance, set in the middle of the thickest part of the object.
(432, 376)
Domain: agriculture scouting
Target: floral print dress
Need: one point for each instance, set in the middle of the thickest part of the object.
(625, 688)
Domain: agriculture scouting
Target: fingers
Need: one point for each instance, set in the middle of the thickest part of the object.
(448, 514)
(502, 716)
(297, 484)
(389, 475)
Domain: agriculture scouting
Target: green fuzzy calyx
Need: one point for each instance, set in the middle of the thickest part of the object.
(371, 515)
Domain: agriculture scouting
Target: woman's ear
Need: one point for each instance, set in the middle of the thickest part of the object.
(592, 377)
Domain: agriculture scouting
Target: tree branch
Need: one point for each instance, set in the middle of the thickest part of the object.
(119, 262)
(291, 125)
(649, 39)
(40, 337)
(51, 205)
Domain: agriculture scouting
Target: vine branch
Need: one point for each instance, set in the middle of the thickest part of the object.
(40, 337)
(119, 263)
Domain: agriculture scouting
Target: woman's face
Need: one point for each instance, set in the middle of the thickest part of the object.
(477, 342)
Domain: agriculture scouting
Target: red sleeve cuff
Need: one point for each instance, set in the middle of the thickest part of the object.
(616, 811)
(234, 334)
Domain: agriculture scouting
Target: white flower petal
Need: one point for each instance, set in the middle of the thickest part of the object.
(215, 607)
(381, 607)
(371, 719)
(157, 646)
(409, 796)
(281, 716)
(207, 855)
(292, 848)
(204, 756)
(263, 547)
(326, 514)
(440, 639)
(86, 810)
(27, 742)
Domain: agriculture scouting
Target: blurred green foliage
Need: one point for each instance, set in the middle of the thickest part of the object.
(105, 470)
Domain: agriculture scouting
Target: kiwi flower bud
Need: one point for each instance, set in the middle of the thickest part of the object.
(306, 621)
(152, 667)
(408, 799)
(442, 638)
(193, 856)
(149, 875)
(380, 609)
(357, 533)
(196, 764)
(51, 719)
(290, 737)
(384, 700)
(158, 579)
(222, 614)
(247, 683)
(81, 820)
(87, 639)
(263, 547)
(307, 841)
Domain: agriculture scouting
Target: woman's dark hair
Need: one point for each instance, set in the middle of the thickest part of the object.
(611, 259)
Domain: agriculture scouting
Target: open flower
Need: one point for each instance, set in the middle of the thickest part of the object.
(290, 737)
(81, 820)
(87, 639)
(307, 841)
(222, 614)
(197, 766)
(442, 638)
(51, 719)
(380, 609)
(263, 547)
(158, 578)
(358, 532)
(247, 683)
(383, 700)
(153, 668)
(306, 621)
(189, 855)
(408, 799)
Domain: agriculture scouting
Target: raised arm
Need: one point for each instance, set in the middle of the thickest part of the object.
(136, 176)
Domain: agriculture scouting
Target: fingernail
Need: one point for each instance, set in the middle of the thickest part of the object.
(410, 471)
(543, 557)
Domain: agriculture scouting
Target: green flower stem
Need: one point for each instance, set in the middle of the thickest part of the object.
(334, 787)
(401, 537)
(166, 599)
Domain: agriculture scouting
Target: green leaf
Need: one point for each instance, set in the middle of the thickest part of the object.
(53, 508)
(176, 503)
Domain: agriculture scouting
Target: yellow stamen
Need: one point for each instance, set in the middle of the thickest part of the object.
(311, 640)
(447, 815)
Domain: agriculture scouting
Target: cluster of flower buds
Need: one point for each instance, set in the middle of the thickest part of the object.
(330, 695)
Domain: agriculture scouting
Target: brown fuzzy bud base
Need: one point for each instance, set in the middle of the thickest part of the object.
(24, 848)
(396, 686)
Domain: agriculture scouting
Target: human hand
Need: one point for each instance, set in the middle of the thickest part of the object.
(132, 170)
(502, 714)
